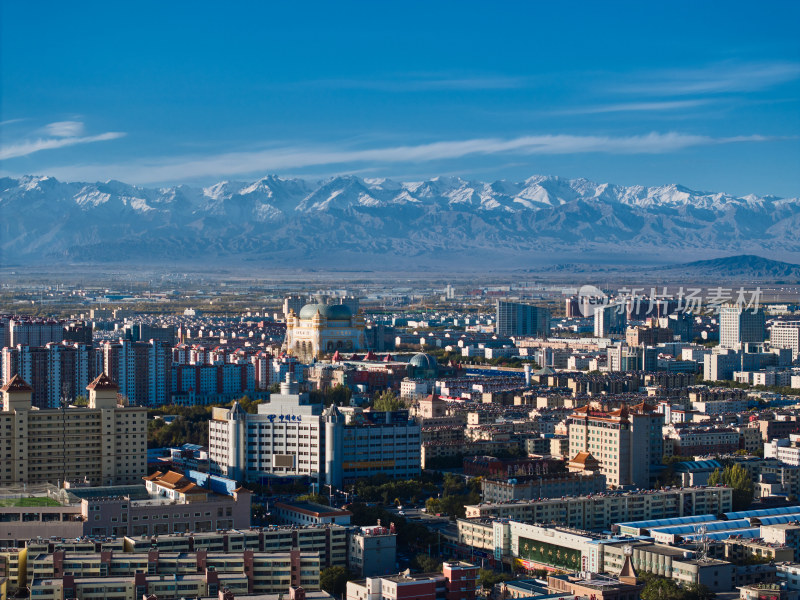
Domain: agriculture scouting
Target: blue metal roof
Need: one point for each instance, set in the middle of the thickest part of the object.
(671, 521)
(752, 532)
(709, 525)
(696, 465)
(779, 519)
(764, 512)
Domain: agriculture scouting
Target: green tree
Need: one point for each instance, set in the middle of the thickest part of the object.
(427, 564)
(249, 406)
(661, 588)
(334, 580)
(338, 394)
(315, 498)
(453, 484)
(387, 401)
(736, 477)
(698, 591)
(489, 578)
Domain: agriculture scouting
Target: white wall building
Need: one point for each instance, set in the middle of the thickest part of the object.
(786, 334)
(739, 326)
(284, 438)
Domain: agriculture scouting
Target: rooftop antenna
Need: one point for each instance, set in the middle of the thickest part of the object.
(702, 530)
(63, 403)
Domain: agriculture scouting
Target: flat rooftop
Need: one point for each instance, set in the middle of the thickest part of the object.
(311, 508)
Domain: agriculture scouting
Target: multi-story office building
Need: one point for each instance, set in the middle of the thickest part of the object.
(372, 443)
(702, 441)
(648, 336)
(625, 441)
(141, 369)
(104, 443)
(786, 334)
(721, 364)
(285, 438)
(740, 326)
(56, 372)
(632, 358)
(610, 320)
(290, 436)
(681, 324)
(519, 320)
(600, 511)
(545, 485)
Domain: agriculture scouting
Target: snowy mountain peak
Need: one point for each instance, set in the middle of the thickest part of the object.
(381, 217)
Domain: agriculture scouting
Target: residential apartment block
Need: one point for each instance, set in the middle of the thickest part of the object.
(56, 372)
(457, 581)
(128, 576)
(625, 441)
(598, 512)
(104, 443)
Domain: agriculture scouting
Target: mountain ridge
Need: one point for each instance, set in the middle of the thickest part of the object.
(382, 221)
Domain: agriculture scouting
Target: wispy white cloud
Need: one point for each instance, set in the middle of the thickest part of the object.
(171, 169)
(727, 77)
(26, 147)
(10, 122)
(64, 129)
(669, 105)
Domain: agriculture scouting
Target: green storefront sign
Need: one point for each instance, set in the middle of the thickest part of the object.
(550, 554)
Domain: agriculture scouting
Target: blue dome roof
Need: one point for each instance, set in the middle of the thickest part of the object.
(334, 312)
(424, 361)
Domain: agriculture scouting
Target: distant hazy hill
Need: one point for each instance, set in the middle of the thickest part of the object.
(353, 223)
(746, 265)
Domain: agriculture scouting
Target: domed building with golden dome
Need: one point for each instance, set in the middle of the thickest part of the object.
(323, 329)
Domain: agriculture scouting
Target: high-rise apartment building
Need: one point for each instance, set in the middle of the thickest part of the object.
(104, 443)
(681, 324)
(631, 358)
(35, 332)
(143, 370)
(293, 303)
(740, 326)
(610, 320)
(625, 441)
(517, 319)
(56, 371)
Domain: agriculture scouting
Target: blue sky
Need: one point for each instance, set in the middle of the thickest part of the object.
(705, 94)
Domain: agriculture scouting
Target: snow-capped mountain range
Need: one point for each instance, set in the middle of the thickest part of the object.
(348, 222)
